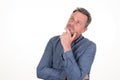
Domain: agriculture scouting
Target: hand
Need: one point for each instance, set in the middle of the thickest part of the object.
(66, 40)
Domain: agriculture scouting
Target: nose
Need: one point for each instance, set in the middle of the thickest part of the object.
(70, 26)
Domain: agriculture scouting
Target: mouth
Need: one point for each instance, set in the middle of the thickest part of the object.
(71, 29)
(72, 32)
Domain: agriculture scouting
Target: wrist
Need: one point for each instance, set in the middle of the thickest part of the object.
(67, 49)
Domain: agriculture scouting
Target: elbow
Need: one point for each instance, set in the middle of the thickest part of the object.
(38, 72)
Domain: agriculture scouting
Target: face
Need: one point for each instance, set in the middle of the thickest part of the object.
(76, 23)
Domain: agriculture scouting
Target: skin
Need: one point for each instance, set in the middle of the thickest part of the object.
(74, 28)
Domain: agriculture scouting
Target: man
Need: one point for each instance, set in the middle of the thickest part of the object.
(70, 55)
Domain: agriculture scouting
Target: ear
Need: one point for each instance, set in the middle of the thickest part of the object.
(85, 29)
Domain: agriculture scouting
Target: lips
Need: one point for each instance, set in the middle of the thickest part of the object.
(71, 30)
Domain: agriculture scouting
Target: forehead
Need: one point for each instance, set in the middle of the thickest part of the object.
(78, 15)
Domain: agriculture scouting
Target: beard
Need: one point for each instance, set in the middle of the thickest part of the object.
(71, 29)
(72, 32)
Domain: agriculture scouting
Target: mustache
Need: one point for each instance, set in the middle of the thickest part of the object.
(70, 25)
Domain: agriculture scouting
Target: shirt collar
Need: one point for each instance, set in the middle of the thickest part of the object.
(80, 38)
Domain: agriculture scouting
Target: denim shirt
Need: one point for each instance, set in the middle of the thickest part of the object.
(74, 64)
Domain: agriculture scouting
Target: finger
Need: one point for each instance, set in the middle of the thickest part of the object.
(63, 34)
(67, 30)
(73, 37)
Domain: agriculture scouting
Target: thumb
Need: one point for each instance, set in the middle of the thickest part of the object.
(73, 37)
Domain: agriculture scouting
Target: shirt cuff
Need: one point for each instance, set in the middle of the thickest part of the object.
(67, 55)
(68, 58)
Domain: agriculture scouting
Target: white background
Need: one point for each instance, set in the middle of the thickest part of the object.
(27, 25)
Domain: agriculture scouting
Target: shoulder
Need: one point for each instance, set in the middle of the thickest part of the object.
(88, 43)
(91, 44)
(54, 39)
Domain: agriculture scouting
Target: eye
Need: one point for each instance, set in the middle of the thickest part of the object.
(78, 22)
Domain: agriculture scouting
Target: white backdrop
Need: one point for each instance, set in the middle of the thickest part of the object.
(27, 25)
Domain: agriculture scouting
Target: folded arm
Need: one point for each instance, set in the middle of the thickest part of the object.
(45, 69)
(77, 70)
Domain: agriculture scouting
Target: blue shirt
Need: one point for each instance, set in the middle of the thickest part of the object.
(75, 64)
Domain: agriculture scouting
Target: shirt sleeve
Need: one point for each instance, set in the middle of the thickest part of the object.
(76, 70)
(44, 68)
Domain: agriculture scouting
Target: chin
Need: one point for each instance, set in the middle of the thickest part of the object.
(74, 33)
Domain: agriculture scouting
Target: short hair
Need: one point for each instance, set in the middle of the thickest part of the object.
(85, 12)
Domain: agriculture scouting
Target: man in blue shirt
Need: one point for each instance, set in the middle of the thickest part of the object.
(70, 55)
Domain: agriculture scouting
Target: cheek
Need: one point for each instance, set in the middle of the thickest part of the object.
(79, 31)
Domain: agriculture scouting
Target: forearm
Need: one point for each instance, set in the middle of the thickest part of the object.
(77, 70)
(47, 73)
(72, 68)
(45, 69)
